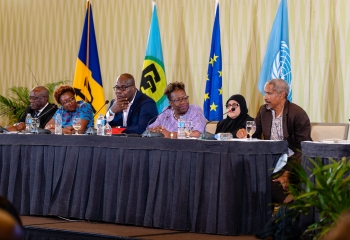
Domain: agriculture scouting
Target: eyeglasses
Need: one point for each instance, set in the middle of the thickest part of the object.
(68, 101)
(234, 105)
(179, 100)
(34, 98)
(121, 88)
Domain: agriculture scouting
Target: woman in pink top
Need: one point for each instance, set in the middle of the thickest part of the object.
(166, 122)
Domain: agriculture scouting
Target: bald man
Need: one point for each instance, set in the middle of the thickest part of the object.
(130, 108)
(39, 107)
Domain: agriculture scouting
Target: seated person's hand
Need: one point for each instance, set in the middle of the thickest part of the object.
(161, 129)
(119, 105)
(50, 126)
(284, 180)
(68, 130)
(17, 127)
(241, 133)
(195, 134)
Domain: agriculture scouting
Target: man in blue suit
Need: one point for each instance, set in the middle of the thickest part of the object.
(131, 108)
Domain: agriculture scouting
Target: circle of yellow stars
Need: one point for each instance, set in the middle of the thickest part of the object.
(206, 95)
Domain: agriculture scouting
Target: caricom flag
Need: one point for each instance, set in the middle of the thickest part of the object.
(213, 90)
(153, 81)
(277, 57)
(87, 79)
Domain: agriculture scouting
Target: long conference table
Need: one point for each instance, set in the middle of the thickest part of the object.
(325, 150)
(218, 187)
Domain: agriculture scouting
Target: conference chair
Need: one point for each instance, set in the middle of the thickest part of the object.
(329, 131)
(211, 127)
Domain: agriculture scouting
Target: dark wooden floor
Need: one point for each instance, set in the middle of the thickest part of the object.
(119, 230)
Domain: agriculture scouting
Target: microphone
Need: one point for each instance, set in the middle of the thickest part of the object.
(204, 132)
(53, 107)
(8, 110)
(2, 130)
(40, 130)
(147, 133)
(106, 102)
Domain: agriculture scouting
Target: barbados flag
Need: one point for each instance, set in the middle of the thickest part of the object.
(277, 57)
(153, 80)
(87, 79)
(213, 90)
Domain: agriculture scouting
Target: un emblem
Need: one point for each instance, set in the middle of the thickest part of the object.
(281, 67)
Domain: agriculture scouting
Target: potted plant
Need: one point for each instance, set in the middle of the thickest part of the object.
(14, 106)
(324, 189)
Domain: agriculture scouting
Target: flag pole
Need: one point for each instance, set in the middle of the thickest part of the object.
(88, 33)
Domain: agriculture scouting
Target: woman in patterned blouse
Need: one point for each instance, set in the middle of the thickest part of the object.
(69, 109)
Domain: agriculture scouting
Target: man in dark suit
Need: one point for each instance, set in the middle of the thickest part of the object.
(39, 107)
(130, 108)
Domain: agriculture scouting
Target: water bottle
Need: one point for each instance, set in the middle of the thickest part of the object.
(180, 128)
(29, 122)
(100, 123)
(223, 136)
(108, 129)
(58, 124)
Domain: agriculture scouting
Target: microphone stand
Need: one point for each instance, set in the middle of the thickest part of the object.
(53, 107)
(90, 130)
(204, 132)
(147, 132)
(106, 102)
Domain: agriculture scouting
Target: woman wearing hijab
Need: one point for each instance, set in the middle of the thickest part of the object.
(237, 116)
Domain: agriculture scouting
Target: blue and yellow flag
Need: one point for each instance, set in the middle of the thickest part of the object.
(277, 57)
(87, 79)
(153, 81)
(213, 90)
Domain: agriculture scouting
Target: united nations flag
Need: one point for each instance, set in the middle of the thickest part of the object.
(213, 90)
(153, 81)
(277, 57)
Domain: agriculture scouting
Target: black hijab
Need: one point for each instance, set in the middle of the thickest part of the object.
(233, 125)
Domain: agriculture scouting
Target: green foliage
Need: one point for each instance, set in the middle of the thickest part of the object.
(328, 193)
(15, 105)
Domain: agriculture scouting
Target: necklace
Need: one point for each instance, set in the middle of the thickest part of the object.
(177, 118)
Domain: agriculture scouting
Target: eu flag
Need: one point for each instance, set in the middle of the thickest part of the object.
(87, 79)
(213, 90)
(153, 81)
(277, 57)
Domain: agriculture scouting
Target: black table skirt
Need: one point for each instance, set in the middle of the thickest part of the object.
(325, 150)
(200, 186)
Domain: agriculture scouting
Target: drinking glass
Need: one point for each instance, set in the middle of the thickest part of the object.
(250, 127)
(76, 125)
(108, 130)
(35, 124)
(188, 128)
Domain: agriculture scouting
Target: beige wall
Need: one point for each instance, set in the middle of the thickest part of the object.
(45, 35)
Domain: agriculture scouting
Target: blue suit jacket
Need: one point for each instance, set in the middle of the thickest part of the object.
(141, 112)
